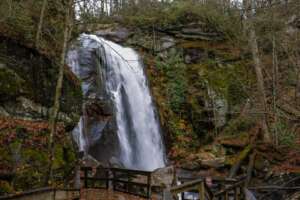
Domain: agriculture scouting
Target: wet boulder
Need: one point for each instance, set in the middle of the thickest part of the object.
(118, 34)
(164, 176)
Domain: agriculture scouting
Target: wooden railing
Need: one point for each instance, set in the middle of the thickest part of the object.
(235, 191)
(191, 186)
(134, 182)
(124, 181)
(138, 183)
(221, 189)
(92, 178)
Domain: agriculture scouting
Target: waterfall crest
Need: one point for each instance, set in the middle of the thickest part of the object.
(124, 82)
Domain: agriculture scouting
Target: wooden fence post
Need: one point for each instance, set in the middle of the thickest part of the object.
(107, 178)
(127, 184)
(226, 195)
(237, 193)
(113, 179)
(202, 191)
(149, 186)
(85, 177)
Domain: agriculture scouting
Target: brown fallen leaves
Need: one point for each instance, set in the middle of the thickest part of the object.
(35, 131)
(28, 125)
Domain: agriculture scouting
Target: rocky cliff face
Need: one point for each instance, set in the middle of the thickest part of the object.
(28, 82)
(27, 85)
(195, 75)
(98, 127)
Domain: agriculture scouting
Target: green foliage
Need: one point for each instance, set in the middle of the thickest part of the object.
(174, 69)
(29, 177)
(5, 188)
(29, 157)
(189, 11)
(35, 158)
(5, 155)
(285, 136)
(175, 128)
(228, 80)
(17, 17)
(156, 14)
(19, 20)
(239, 126)
(10, 83)
(236, 92)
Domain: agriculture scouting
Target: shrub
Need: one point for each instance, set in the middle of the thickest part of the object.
(285, 136)
(174, 69)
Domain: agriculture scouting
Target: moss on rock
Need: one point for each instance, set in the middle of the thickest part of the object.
(11, 85)
(190, 71)
(27, 74)
(26, 155)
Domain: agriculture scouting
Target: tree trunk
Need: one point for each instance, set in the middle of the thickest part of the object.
(257, 67)
(275, 76)
(41, 21)
(297, 63)
(58, 91)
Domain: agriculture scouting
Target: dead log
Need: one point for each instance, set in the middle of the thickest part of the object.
(242, 156)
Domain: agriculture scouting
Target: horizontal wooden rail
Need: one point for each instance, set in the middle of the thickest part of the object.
(186, 186)
(130, 171)
(230, 188)
(198, 185)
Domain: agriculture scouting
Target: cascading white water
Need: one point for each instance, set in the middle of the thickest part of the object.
(138, 128)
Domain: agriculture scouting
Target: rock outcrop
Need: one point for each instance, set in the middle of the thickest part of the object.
(28, 82)
(99, 130)
(27, 85)
(199, 51)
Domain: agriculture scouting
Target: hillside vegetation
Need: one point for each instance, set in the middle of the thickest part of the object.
(225, 77)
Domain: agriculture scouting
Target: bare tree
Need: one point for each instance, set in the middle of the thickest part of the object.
(249, 7)
(58, 91)
(40, 25)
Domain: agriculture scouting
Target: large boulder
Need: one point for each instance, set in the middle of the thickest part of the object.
(117, 34)
(97, 123)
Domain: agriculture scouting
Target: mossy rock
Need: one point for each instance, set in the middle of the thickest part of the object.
(239, 126)
(35, 157)
(27, 73)
(5, 158)
(11, 84)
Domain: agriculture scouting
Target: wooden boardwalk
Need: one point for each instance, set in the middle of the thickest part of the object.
(103, 194)
(120, 184)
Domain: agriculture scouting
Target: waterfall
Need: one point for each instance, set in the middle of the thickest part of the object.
(125, 84)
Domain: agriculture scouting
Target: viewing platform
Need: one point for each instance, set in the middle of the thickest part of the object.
(125, 184)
